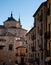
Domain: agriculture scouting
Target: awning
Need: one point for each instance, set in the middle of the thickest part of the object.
(48, 59)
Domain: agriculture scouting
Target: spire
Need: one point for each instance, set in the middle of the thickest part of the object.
(11, 15)
(19, 19)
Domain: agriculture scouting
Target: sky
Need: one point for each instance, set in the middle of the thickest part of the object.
(23, 8)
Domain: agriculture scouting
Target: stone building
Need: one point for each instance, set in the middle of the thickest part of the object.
(20, 55)
(36, 43)
(40, 18)
(12, 35)
(48, 34)
(31, 45)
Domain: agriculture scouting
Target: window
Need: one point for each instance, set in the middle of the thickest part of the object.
(10, 46)
(41, 41)
(35, 55)
(16, 54)
(29, 37)
(41, 30)
(29, 55)
(1, 47)
(33, 48)
(49, 30)
(42, 27)
(4, 63)
(48, 11)
(26, 41)
(38, 29)
(32, 37)
(35, 22)
(40, 16)
(42, 55)
(26, 50)
(2, 40)
(38, 42)
(38, 59)
(16, 62)
(49, 49)
(22, 61)
(35, 45)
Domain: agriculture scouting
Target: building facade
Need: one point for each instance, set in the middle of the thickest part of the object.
(12, 35)
(31, 46)
(20, 55)
(36, 43)
(40, 17)
(48, 36)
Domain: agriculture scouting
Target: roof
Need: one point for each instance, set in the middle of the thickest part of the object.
(11, 18)
(39, 8)
(2, 26)
(17, 28)
(30, 31)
